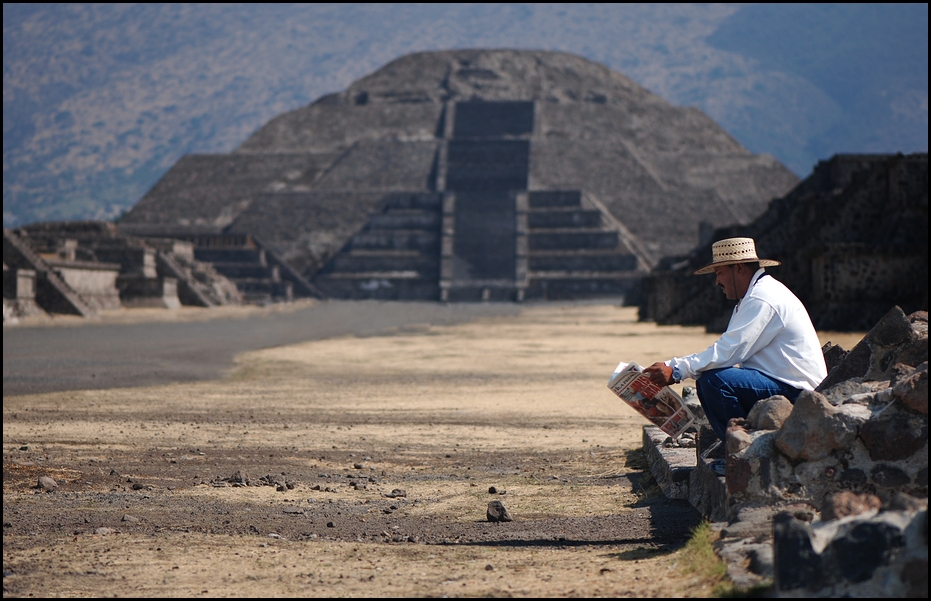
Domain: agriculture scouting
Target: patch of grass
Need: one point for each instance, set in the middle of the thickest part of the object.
(698, 557)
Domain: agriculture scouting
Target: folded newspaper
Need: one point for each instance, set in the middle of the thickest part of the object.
(660, 404)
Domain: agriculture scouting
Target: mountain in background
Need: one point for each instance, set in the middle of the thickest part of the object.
(100, 100)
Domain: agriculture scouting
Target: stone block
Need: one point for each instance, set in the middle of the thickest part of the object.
(19, 284)
(895, 433)
(769, 414)
(846, 503)
(912, 389)
(137, 291)
(815, 427)
(883, 555)
(671, 467)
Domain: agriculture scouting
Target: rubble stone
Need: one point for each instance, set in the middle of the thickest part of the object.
(912, 390)
(497, 512)
(815, 427)
(770, 414)
(846, 503)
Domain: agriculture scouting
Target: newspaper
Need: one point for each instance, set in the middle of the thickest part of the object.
(660, 404)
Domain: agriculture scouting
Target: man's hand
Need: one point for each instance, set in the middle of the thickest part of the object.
(660, 374)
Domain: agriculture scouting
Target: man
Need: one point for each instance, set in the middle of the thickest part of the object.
(770, 346)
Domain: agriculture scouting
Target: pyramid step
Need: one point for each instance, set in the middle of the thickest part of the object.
(425, 201)
(578, 286)
(576, 238)
(555, 198)
(563, 217)
(261, 290)
(403, 219)
(420, 240)
(379, 286)
(388, 260)
(474, 294)
(582, 261)
(248, 270)
(230, 255)
(480, 165)
(556, 274)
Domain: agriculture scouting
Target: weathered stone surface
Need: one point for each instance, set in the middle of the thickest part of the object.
(912, 390)
(833, 355)
(872, 556)
(846, 503)
(816, 427)
(848, 275)
(839, 394)
(47, 484)
(497, 512)
(769, 414)
(326, 169)
(875, 355)
(737, 437)
(895, 434)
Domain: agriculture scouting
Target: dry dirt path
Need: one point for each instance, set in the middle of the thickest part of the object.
(148, 503)
(146, 347)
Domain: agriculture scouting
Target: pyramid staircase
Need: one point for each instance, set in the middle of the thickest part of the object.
(576, 249)
(394, 257)
(483, 236)
(260, 275)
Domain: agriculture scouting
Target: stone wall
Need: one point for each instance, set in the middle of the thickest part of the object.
(834, 469)
(852, 239)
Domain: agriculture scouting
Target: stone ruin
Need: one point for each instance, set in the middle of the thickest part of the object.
(852, 239)
(828, 497)
(80, 268)
(853, 455)
(470, 175)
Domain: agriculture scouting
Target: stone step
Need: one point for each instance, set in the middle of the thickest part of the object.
(480, 293)
(583, 260)
(573, 286)
(563, 217)
(264, 286)
(555, 198)
(380, 286)
(431, 201)
(492, 119)
(420, 240)
(683, 474)
(248, 270)
(427, 265)
(403, 219)
(572, 239)
(479, 165)
(230, 255)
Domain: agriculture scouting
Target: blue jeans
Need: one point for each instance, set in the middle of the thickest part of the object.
(732, 391)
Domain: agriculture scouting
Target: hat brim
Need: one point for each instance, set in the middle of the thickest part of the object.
(710, 267)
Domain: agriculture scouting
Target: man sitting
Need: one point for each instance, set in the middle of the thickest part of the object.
(770, 346)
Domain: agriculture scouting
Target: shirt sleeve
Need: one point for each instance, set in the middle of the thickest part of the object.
(753, 326)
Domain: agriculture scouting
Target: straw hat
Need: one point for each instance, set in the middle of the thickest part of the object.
(732, 251)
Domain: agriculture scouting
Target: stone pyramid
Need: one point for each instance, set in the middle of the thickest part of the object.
(472, 174)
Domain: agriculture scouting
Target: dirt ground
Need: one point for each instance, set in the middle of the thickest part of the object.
(358, 466)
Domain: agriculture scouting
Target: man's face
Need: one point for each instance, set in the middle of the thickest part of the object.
(725, 280)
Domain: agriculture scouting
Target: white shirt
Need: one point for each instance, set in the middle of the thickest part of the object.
(769, 331)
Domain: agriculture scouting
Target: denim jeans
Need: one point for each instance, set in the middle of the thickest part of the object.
(732, 391)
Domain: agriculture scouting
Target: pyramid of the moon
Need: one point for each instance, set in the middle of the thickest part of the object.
(471, 174)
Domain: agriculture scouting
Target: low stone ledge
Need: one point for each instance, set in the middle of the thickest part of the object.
(671, 467)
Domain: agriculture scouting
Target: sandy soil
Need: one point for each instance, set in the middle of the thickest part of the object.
(325, 434)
